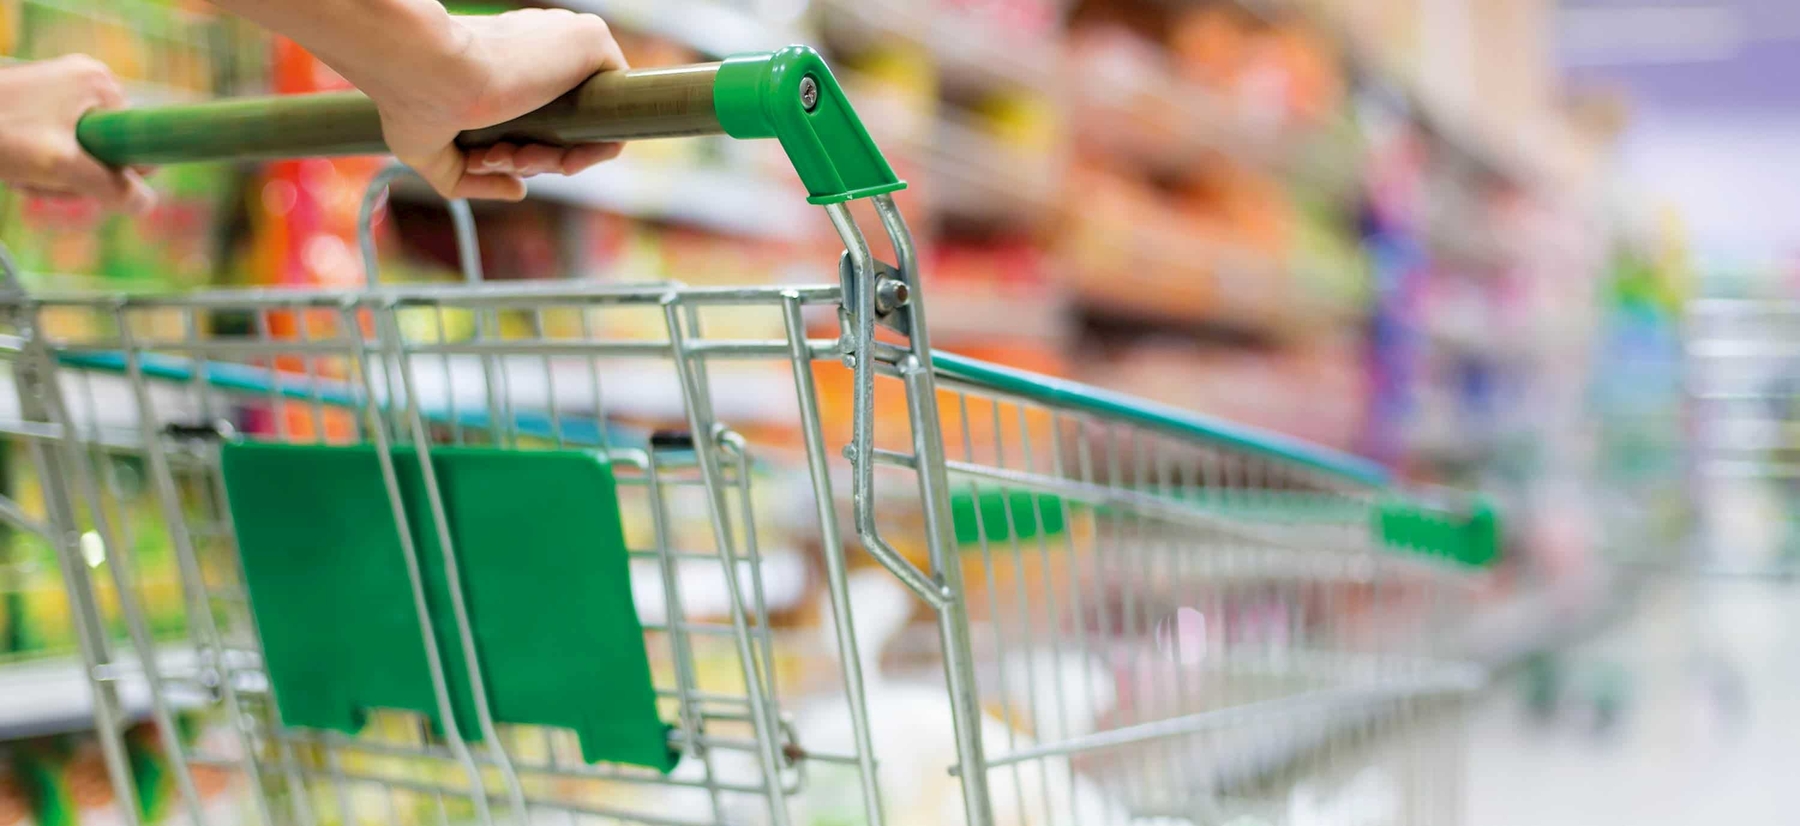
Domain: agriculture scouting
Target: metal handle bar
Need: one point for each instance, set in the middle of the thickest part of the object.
(611, 106)
(789, 95)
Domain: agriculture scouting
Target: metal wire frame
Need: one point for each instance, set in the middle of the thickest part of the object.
(1155, 524)
(659, 476)
(1153, 614)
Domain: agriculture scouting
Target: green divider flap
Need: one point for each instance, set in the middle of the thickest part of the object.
(1003, 515)
(1472, 540)
(545, 576)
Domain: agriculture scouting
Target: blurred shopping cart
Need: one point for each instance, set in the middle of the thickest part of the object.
(414, 592)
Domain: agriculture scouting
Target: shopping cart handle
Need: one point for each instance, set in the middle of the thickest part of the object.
(789, 95)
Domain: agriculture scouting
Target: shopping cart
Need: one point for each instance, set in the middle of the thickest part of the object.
(440, 582)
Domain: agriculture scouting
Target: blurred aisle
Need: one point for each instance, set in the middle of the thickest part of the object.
(1703, 678)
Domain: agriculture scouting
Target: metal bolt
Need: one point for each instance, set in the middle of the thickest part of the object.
(809, 93)
(890, 295)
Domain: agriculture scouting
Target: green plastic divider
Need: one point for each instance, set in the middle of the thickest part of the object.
(1171, 420)
(150, 771)
(1400, 525)
(543, 565)
(37, 765)
(1473, 540)
(1003, 516)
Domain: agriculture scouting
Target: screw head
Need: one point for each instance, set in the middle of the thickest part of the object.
(891, 294)
(809, 93)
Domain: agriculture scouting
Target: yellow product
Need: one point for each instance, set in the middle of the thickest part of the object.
(9, 27)
(896, 90)
(1023, 122)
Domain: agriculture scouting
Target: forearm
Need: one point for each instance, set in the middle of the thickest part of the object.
(433, 75)
(364, 40)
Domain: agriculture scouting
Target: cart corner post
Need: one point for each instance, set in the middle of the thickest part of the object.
(791, 95)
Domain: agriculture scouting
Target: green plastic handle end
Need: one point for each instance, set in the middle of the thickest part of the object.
(790, 95)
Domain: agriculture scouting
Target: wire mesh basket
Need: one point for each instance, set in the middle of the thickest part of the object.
(439, 582)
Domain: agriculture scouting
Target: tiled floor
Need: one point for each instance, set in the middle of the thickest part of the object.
(1707, 679)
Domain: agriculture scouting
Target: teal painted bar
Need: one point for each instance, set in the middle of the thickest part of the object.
(1399, 523)
(257, 381)
(1168, 419)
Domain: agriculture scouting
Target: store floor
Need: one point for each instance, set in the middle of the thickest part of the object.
(1687, 712)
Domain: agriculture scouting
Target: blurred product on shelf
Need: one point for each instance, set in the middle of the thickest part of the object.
(1317, 391)
(173, 247)
(163, 51)
(997, 292)
(10, 24)
(62, 781)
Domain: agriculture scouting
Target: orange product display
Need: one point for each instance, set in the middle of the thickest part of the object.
(303, 219)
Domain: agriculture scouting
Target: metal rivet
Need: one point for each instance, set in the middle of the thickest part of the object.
(809, 93)
(890, 295)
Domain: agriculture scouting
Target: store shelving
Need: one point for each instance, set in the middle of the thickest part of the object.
(142, 93)
(967, 51)
(733, 201)
(969, 313)
(51, 696)
(715, 29)
(729, 201)
(1155, 118)
(974, 175)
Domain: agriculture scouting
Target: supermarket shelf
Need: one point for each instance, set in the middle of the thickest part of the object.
(968, 52)
(1499, 155)
(1473, 250)
(972, 314)
(968, 174)
(47, 697)
(733, 202)
(711, 28)
(1172, 123)
(730, 201)
(142, 93)
(1164, 277)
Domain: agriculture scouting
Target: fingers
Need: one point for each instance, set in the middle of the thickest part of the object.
(498, 171)
(78, 84)
(577, 158)
(121, 189)
(539, 159)
(588, 36)
(491, 187)
(610, 57)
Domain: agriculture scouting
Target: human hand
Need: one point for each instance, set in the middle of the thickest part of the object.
(39, 105)
(487, 70)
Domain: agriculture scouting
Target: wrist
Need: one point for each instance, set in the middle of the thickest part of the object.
(410, 50)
